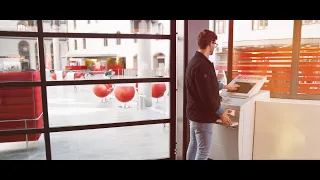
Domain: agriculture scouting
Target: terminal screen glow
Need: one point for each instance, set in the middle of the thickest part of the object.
(244, 87)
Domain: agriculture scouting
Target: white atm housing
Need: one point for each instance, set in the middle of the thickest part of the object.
(236, 142)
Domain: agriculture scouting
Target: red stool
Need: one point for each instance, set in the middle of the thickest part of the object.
(158, 90)
(124, 94)
(100, 91)
(54, 76)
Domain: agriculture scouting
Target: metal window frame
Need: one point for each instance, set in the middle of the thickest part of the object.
(294, 74)
(46, 130)
(230, 51)
(294, 81)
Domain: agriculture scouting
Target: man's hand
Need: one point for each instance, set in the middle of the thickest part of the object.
(225, 119)
(233, 87)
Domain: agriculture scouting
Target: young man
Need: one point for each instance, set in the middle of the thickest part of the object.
(203, 99)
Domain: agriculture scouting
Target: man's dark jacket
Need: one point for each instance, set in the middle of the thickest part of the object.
(203, 99)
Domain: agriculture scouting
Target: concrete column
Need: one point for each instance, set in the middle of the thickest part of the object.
(180, 84)
(194, 27)
(56, 50)
(144, 61)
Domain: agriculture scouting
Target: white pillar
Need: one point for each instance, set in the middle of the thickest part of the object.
(144, 61)
(56, 50)
(32, 58)
(194, 27)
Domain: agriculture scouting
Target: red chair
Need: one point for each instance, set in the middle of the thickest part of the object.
(124, 94)
(20, 107)
(158, 90)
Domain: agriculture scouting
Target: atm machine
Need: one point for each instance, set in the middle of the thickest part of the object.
(236, 141)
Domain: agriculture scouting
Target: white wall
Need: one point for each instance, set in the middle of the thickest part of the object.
(127, 48)
(287, 129)
(9, 47)
(11, 25)
(277, 29)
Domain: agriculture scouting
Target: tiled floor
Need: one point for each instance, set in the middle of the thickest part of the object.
(70, 108)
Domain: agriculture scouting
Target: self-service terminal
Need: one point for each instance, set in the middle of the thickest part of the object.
(236, 141)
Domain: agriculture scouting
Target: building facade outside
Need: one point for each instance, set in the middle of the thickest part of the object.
(264, 47)
(84, 52)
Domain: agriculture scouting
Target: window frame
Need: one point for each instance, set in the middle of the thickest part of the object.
(259, 26)
(294, 81)
(47, 130)
(218, 29)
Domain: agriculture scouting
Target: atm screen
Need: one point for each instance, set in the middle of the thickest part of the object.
(244, 87)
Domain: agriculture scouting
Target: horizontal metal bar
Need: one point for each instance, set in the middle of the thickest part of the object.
(112, 125)
(81, 82)
(280, 95)
(20, 84)
(21, 131)
(163, 159)
(106, 81)
(307, 97)
(84, 127)
(19, 34)
(105, 35)
(18, 120)
(81, 35)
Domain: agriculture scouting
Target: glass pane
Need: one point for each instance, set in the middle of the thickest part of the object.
(123, 143)
(18, 25)
(19, 60)
(220, 54)
(309, 67)
(66, 59)
(110, 103)
(108, 26)
(265, 52)
(20, 108)
(22, 147)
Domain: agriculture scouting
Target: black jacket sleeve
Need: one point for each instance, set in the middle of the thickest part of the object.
(207, 88)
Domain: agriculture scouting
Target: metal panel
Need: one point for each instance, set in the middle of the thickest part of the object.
(82, 35)
(192, 29)
(296, 44)
(180, 87)
(173, 92)
(44, 92)
(230, 51)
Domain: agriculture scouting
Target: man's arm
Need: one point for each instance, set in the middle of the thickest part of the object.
(205, 87)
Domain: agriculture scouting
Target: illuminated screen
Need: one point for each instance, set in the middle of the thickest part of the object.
(244, 87)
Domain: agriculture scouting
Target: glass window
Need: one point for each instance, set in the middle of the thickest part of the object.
(309, 64)
(220, 26)
(259, 24)
(98, 59)
(264, 53)
(18, 25)
(107, 103)
(16, 147)
(104, 26)
(124, 143)
(220, 54)
(19, 56)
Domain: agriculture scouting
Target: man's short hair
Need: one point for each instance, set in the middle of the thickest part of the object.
(205, 37)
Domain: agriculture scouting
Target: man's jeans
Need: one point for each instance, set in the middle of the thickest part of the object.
(200, 141)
